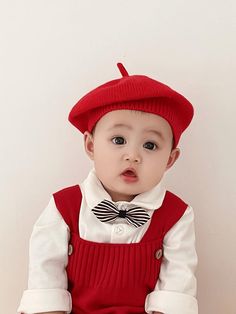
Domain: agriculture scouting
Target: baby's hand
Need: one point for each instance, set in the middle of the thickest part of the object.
(157, 313)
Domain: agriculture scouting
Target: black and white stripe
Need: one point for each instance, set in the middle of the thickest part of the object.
(107, 211)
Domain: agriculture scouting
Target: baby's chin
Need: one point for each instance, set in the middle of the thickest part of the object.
(119, 194)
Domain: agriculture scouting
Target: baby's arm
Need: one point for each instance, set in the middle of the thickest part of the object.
(175, 291)
(48, 256)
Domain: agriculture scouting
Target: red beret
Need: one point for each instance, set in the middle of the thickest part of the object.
(134, 92)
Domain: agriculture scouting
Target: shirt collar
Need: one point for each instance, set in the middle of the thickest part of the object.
(94, 193)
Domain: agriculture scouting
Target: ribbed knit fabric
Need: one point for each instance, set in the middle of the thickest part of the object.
(114, 278)
(134, 92)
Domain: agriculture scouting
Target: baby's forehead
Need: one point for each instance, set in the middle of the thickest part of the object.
(132, 116)
(134, 120)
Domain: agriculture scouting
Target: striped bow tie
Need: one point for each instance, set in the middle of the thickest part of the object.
(107, 211)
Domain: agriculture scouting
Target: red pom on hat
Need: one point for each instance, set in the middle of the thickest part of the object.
(134, 92)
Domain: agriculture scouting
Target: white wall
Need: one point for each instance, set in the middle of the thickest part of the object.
(54, 51)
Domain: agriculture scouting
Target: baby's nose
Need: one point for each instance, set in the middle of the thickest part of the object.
(132, 156)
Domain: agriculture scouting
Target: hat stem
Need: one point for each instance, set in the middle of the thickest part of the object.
(122, 69)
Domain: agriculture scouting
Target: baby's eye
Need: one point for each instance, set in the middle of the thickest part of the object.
(150, 146)
(118, 140)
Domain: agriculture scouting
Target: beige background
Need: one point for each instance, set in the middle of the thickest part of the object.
(54, 51)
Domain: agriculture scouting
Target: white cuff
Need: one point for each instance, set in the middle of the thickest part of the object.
(171, 302)
(45, 300)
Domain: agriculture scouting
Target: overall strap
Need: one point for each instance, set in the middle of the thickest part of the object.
(165, 217)
(68, 201)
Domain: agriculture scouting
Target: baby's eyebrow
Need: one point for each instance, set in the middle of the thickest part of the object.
(158, 133)
(148, 130)
(120, 125)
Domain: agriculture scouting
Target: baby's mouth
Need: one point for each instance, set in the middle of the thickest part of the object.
(129, 173)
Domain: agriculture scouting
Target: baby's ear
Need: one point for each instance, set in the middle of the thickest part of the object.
(88, 144)
(174, 155)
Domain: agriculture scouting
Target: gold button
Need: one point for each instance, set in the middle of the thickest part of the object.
(70, 249)
(158, 254)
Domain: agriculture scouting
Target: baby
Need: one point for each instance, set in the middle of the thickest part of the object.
(119, 242)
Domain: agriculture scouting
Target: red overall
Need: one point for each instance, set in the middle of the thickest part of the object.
(114, 278)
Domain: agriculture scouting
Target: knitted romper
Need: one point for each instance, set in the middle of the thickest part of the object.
(114, 278)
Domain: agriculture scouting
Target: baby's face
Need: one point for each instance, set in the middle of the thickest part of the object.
(123, 139)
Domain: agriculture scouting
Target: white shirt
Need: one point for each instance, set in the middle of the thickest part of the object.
(175, 290)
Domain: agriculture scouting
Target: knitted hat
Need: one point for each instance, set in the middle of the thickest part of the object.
(134, 92)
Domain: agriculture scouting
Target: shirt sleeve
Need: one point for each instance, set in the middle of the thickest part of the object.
(48, 258)
(176, 288)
